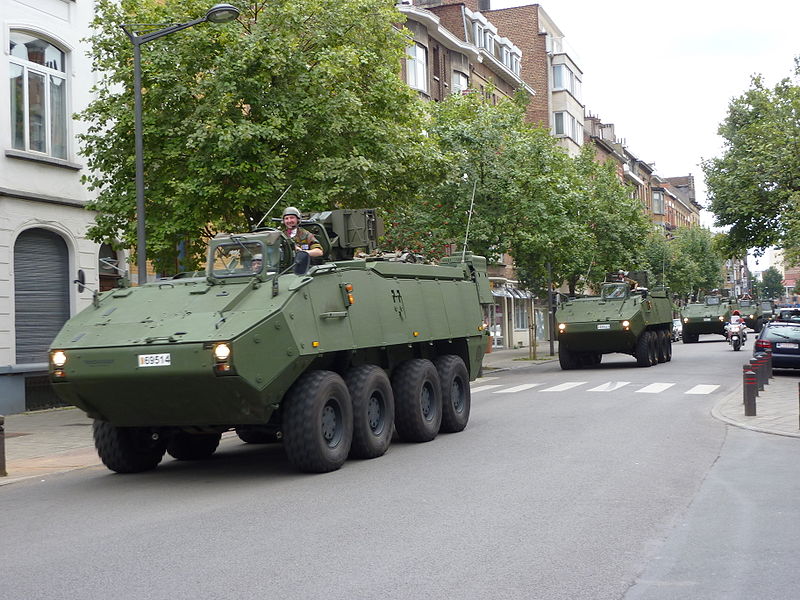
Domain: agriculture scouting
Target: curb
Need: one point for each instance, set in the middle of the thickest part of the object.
(717, 414)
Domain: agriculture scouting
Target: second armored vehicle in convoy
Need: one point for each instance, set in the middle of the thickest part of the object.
(330, 361)
(708, 316)
(627, 317)
(753, 313)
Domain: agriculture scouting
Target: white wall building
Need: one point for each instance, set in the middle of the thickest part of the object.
(46, 77)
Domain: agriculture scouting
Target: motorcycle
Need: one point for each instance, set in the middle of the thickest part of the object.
(736, 335)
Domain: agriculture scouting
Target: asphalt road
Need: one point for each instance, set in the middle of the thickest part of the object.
(592, 484)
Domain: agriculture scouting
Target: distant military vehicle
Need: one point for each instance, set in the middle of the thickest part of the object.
(627, 317)
(330, 361)
(708, 316)
(753, 313)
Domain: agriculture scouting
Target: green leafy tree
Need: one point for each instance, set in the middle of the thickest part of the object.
(754, 186)
(771, 283)
(300, 92)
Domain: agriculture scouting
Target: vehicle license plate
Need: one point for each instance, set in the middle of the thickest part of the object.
(791, 345)
(706, 318)
(154, 360)
(604, 326)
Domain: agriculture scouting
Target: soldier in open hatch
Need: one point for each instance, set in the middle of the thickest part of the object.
(304, 241)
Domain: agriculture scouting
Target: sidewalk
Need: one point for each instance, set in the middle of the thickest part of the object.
(42, 443)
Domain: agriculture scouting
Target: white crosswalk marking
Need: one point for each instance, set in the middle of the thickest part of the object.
(563, 386)
(655, 388)
(610, 386)
(484, 379)
(483, 388)
(519, 388)
(702, 389)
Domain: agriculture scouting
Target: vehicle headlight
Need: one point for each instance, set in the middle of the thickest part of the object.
(562, 326)
(626, 323)
(750, 317)
(685, 319)
(58, 358)
(721, 318)
(222, 352)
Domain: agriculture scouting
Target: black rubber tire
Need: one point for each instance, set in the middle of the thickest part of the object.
(373, 411)
(567, 359)
(127, 449)
(643, 350)
(318, 422)
(653, 348)
(256, 435)
(661, 345)
(737, 344)
(668, 345)
(456, 399)
(417, 400)
(193, 446)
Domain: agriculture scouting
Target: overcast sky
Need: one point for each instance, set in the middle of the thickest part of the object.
(664, 72)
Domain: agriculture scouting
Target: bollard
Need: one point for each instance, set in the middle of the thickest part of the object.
(756, 366)
(3, 471)
(749, 386)
(762, 363)
(770, 374)
(748, 368)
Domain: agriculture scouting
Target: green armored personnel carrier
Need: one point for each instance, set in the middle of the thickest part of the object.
(329, 361)
(708, 316)
(626, 318)
(752, 312)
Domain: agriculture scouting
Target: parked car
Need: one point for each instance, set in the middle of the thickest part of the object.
(782, 338)
(677, 330)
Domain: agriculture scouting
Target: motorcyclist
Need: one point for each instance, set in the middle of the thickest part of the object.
(736, 319)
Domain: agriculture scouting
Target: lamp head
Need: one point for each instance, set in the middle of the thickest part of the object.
(222, 13)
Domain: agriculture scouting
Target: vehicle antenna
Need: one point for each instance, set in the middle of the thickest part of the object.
(469, 220)
(273, 206)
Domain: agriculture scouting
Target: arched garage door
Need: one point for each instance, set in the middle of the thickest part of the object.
(41, 292)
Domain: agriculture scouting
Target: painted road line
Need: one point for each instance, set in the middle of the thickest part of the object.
(484, 379)
(702, 389)
(483, 388)
(563, 386)
(519, 388)
(610, 386)
(655, 388)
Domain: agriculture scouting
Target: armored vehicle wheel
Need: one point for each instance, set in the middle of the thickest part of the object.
(318, 422)
(257, 435)
(661, 343)
(193, 446)
(668, 345)
(643, 350)
(417, 400)
(456, 399)
(567, 359)
(373, 411)
(128, 449)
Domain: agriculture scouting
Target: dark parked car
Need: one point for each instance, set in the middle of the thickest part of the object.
(782, 338)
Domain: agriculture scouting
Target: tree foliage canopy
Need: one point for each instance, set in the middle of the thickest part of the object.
(754, 187)
(300, 92)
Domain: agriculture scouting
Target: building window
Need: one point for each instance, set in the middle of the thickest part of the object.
(417, 67)
(460, 82)
(520, 315)
(564, 124)
(38, 85)
(488, 42)
(515, 64)
(565, 79)
(658, 203)
(477, 34)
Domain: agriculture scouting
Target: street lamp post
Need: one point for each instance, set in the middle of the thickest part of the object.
(141, 34)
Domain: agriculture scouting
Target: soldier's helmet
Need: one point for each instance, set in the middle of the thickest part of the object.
(291, 210)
